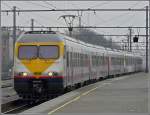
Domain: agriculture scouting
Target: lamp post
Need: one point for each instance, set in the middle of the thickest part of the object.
(147, 62)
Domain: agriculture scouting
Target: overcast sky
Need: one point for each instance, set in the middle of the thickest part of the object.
(88, 18)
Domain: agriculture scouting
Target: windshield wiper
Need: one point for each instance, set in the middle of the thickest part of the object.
(32, 58)
(41, 57)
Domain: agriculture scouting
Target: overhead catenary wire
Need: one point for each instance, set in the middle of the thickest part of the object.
(119, 16)
(106, 27)
(43, 7)
(55, 10)
(78, 10)
(8, 6)
(102, 4)
(46, 2)
(37, 4)
(91, 9)
(127, 20)
(41, 16)
(81, 0)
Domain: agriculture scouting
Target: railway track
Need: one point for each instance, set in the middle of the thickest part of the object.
(19, 105)
(10, 106)
(16, 110)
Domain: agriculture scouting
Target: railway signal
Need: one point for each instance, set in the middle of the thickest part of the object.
(135, 38)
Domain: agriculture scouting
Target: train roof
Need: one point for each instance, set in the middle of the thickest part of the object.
(46, 36)
(39, 36)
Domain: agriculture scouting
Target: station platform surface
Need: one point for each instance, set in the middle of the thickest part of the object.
(126, 95)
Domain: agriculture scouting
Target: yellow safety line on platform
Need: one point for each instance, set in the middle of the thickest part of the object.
(83, 94)
(75, 99)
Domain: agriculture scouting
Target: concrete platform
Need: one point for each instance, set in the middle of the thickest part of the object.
(8, 95)
(127, 95)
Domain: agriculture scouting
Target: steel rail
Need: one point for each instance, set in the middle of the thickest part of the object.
(14, 109)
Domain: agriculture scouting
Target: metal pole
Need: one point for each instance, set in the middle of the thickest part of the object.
(14, 30)
(32, 24)
(128, 44)
(130, 38)
(0, 44)
(149, 33)
(79, 21)
(49, 29)
(147, 40)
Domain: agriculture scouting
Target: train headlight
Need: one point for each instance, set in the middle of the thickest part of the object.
(50, 74)
(24, 74)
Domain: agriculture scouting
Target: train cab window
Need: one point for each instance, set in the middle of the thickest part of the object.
(48, 52)
(27, 52)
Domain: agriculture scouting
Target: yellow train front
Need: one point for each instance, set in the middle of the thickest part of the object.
(38, 64)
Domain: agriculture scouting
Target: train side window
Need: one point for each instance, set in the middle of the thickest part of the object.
(95, 60)
(112, 60)
(83, 60)
(76, 59)
(104, 60)
(92, 61)
(71, 59)
(79, 59)
(67, 59)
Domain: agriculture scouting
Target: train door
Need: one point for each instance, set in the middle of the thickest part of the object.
(82, 67)
(125, 70)
(89, 65)
(103, 66)
(71, 66)
(65, 63)
(108, 64)
(67, 66)
(126, 66)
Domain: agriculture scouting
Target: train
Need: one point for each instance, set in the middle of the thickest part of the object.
(49, 62)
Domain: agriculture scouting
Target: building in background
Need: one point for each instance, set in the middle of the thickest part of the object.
(7, 52)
